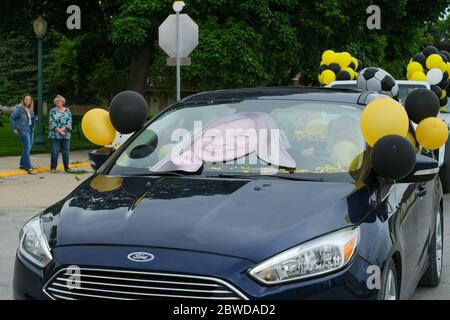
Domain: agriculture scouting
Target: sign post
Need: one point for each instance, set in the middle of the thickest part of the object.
(178, 37)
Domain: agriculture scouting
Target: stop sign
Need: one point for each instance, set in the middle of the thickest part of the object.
(188, 35)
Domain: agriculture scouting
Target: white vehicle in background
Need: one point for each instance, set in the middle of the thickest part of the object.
(405, 87)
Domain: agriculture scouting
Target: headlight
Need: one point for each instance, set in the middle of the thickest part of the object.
(319, 256)
(33, 244)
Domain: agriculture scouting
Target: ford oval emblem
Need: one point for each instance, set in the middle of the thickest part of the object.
(141, 257)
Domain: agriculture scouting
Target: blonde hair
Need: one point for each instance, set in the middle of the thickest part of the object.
(59, 97)
(31, 107)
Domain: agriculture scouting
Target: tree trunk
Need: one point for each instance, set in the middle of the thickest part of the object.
(137, 75)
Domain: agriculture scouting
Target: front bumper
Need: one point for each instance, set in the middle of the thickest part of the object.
(348, 283)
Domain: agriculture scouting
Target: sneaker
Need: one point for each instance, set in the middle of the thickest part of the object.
(30, 171)
(53, 171)
(68, 170)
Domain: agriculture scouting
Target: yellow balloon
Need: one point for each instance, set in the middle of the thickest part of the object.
(442, 109)
(328, 76)
(443, 66)
(408, 75)
(410, 138)
(382, 117)
(448, 69)
(418, 76)
(433, 61)
(328, 56)
(343, 153)
(344, 59)
(319, 77)
(432, 133)
(97, 127)
(413, 67)
(355, 62)
(443, 95)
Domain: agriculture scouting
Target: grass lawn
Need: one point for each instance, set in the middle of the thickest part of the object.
(10, 144)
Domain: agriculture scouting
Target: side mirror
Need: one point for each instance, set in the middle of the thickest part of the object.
(98, 157)
(424, 170)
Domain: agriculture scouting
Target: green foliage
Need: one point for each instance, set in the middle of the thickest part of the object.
(18, 69)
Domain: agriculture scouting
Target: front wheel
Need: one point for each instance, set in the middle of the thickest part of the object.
(432, 275)
(389, 286)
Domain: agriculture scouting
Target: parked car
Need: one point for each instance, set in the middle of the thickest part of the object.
(405, 87)
(300, 225)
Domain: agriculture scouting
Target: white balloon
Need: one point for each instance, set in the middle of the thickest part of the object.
(120, 139)
(434, 76)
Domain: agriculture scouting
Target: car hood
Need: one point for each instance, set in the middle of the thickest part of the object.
(251, 219)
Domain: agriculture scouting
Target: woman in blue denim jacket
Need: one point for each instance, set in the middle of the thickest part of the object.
(22, 121)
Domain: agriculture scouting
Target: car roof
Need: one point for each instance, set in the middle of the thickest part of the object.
(399, 82)
(340, 95)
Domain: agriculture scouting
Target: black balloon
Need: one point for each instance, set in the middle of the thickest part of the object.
(430, 50)
(352, 65)
(446, 53)
(444, 83)
(393, 157)
(322, 68)
(334, 67)
(437, 90)
(420, 104)
(420, 58)
(443, 102)
(128, 111)
(444, 57)
(343, 75)
(360, 66)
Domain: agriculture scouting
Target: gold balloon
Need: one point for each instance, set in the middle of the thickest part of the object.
(418, 76)
(97, 127)
(414, 67)
(344, 59)
(328, 76)
(328, 56)
(432, 133)
(343, 153)
(434, 61)
(106, 183)
(410, 138)
(382, 117)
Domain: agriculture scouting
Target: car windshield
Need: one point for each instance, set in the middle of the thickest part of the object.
(257, 137)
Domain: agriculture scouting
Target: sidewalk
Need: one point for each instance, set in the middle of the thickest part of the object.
(9, 166)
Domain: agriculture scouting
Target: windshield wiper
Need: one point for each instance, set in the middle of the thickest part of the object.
(255, 176)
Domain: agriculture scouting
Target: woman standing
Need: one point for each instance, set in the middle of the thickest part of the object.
(22, 121)
(59, 129)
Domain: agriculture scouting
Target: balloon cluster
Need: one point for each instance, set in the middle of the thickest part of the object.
(385, 127)
(338, 66)
(127, 113)
(433, 66)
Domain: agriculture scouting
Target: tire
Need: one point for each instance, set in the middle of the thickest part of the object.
(389, 282)
(432, 275)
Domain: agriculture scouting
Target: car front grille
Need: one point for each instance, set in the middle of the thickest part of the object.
(89, 283)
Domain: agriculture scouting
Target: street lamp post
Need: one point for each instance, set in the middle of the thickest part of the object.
(40, 28)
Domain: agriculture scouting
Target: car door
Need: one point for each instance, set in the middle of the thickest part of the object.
(408, 231)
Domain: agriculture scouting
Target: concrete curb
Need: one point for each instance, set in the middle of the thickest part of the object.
(19, 172)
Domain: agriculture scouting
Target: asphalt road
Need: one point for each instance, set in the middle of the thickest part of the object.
(23, 197)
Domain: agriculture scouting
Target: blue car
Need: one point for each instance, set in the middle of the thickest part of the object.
(286, 207)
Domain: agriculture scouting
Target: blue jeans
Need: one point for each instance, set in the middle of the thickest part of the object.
(57, 146)
(26, 138)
